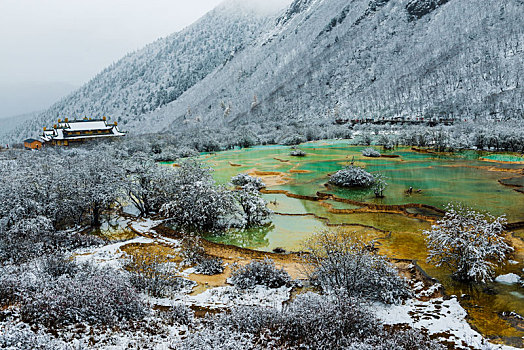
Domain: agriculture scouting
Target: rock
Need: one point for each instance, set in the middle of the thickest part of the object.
(509, 278)
(419, 8)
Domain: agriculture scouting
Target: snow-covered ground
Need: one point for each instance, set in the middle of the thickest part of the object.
(108, 255)
(437, 316)
(112, 255)
(229, 296)
(144, 226)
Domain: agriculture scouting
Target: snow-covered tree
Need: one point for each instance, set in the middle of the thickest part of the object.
(297, 153)
(254, 207)
(198, 204)
(246, 181)
(259, 272)
(379, 185)
(344, 265)
(352, 176)
(470, 243)
(148, 185)
(370, 152)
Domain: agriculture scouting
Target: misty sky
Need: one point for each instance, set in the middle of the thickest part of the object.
(49, 47)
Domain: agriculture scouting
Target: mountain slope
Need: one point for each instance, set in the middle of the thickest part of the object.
(150, 78)
(328, 59)
(317, 60)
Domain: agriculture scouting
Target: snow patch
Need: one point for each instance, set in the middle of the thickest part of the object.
(509, 278)
(109, 255)
(145, 225)
(228, 296)
(437, 316)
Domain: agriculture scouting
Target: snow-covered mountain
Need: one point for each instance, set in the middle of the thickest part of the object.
(316, 59)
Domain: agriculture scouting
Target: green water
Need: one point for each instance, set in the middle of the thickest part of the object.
(441, 178)
(505, 158)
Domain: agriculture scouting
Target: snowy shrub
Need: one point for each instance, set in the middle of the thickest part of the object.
(192, 251)
(197, 204)
(258, 272)
(388, 339)
(21, 336)
(254, 208)
(186, 152)
(352, 176)
(313, 321)
(96, 296)
(310, 321)
(364, 139)
(247, 181)
(379, 185)
(157, 279)
(14, 284)
(166, 156)
(179, 314)
(297, 153)
(216, 338)
(470, 243)
(30, 238)
(386, 141)
(343, 265)
(148, 185)
(210, 266)
(370, 152)
(58, 264)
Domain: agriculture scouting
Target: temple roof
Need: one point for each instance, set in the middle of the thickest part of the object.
(76, 130)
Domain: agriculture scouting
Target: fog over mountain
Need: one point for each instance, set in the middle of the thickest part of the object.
(16, 99)
(315, 59)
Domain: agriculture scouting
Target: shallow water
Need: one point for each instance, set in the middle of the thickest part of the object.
(501, 157)
(468, 177)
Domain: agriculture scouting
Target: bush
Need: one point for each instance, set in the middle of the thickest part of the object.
(254, 208)
(14, 284)
(312, 321)
(210, 266)
(292, 139)
(186, 152)
(470, 243)
(20, 336)
(246, 181)
(352, 176)
(192, 251)
(58, 264)
(216, 338)
(380, 185)
(297, 153)
(155, 278)
(370, 152)
(31, 238)
(262, 273)
(180, 314)
(197, 203)
(343, 265)
(96, 296)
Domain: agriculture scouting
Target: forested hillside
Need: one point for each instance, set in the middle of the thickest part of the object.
(316, 60)
(329, 59)
(150, 78)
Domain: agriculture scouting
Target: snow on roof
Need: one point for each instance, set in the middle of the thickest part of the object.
(64, 129)
(86, 125)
